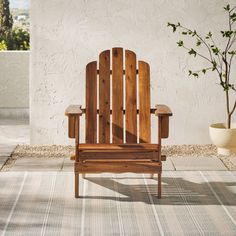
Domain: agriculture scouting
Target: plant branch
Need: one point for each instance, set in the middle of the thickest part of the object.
(230, 63)
(211, 60)
(221, 60)
(233, 109)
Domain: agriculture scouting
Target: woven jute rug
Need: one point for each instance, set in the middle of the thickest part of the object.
(193, 203)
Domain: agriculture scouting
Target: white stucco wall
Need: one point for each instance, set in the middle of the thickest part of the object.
(66, 35)
(14, 79)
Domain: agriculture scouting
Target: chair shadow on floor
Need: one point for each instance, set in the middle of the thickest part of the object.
(176, 191)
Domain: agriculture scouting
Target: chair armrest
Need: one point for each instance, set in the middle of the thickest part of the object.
(163, 110)
(73, 110)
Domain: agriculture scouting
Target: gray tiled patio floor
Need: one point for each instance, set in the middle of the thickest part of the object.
(38, 164)
(12, 132)
(65, 164)
(198, 163)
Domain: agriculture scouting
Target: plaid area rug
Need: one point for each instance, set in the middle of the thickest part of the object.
(43, 203)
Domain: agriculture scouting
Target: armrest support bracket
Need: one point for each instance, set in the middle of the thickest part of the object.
(163, 113)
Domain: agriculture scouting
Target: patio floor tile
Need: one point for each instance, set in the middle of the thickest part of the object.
(68, 165)
(14, 134)
(168, 165)
(6, 150)
(3, 160)
(198, 163)
(38, 164)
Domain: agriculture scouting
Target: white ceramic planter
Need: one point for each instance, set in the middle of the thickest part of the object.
(224, 139)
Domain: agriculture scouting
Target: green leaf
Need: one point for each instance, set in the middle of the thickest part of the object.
(198, 43)
(192, 52)
(195, 74)
(204, 71)
(233, 17)
(227, 7)
(174, 27)
(184, 33)
(227, 33)
(209, 35)
(190, 72)
(180, 43)
(215, 50)
(214, 65)
(232, 52)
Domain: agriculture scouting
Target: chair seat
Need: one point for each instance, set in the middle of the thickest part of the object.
(143, 151)
(118, 167)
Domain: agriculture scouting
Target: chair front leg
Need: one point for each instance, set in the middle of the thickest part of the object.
(76, 185)
(77, 121)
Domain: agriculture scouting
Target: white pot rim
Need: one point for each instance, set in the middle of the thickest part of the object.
(221, 126)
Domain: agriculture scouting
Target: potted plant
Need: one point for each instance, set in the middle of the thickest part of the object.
(220, 61)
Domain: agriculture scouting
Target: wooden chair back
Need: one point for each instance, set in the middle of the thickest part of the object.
(118, 92)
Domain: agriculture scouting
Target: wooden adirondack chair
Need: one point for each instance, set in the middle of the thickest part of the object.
(121, 95)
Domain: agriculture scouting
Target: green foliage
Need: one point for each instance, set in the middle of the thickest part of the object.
(227, 33)
(233, 17)
(227, 8)
(209, 43)
(220, 59)
(174, 27)
(19, 39)
(209, 35)
(192, 52)
(3, 45)
(11, 39)
(198, 43)
(6, 20)
(180, 43)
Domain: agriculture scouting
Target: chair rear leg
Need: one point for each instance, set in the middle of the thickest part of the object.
(159, 185)
(76, 185)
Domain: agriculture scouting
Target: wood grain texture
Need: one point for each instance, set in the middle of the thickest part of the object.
(144, 103)
(77, 135)
(104, 97)
(119, 147)
(118, 167)
(152, 111)
(131, 97)
(117, 95)
(91, 102)
(71, 126)
(165, 127)
(163, 110)
(111, 72)
(73, 110)
(118, 157)
(108, 156)
(111, 156)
